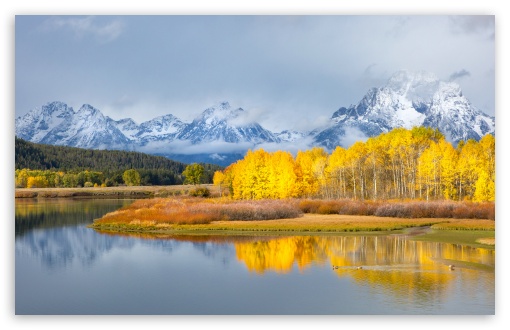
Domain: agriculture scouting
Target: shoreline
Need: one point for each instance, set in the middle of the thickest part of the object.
(436, 229)
(308, 225)
(107, 192)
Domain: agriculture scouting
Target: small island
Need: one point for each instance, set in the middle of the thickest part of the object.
(443, 221)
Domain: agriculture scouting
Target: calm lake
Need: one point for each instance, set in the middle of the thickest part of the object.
(63, 267)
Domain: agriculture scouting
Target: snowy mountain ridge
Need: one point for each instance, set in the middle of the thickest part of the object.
(407, 99)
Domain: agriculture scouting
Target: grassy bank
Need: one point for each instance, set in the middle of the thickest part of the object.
(475, 238)
(106, 192)
(188, 215)
(308, 223)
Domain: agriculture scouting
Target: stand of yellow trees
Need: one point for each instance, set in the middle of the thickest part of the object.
(415, 163)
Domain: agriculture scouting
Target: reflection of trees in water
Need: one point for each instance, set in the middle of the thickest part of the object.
(60, 247)
(55, 234)
(348, 252)
(53, 230)
(52, 213)
(280, 254)
(391, 263)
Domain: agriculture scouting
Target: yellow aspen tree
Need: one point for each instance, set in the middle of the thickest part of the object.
(394, 139)
(37, 182)
(21, 178)
(421, 139)
(240, 181)
(260, 171)
(335, 172)
(374, 161)
(468, 164)
(282, 176)
(388, 187)
(485, 187)
(429, 170)
(308, 179)
(355, 158)
(218, 179)
(251, 176)
(449, 173)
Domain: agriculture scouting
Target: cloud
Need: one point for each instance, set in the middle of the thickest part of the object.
(217, 157)
(352, 135)
(187, 148)
(476, 24)
(292, 147)
(84, 26)
(459, 74)
(398, 26)
(254, 115)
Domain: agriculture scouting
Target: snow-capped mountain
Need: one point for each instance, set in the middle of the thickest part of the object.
(56, 123)
(221, 134)
(290, 135)
(226, 124)
(165, 127)
(39, 122)
(409, 99)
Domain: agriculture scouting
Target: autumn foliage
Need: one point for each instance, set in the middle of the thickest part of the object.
(411, 164)
(169, 211)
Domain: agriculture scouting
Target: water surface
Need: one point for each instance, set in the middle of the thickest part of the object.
(63, 267)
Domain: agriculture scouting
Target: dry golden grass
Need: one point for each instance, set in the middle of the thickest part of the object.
(306, 223)
(466, 224)
(487, 241)
(221, 214)
(181, 211)
(322, 223)
(98, 192)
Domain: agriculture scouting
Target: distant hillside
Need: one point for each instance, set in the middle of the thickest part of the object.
(155, 170)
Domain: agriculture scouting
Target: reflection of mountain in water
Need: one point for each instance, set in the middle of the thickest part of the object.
(391, 264)
(59, 247)
(31, 214)
(55, 232)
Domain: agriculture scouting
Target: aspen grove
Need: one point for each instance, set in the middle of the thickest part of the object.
(417, 164)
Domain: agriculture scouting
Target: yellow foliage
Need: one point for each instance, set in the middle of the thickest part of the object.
(403, 164)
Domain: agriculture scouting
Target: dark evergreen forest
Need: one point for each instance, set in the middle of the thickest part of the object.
(154, 170)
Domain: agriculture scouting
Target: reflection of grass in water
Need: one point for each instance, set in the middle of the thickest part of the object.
(40, 213)
(464, 264)
(464, 237)
(466, 224)
(487, 241)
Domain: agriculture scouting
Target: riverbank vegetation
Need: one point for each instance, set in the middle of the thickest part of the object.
(224, 214)
(111, 192)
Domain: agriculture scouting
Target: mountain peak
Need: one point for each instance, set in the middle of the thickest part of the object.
(218, 114)
(414, 85)
(410, 99)
(223, 105)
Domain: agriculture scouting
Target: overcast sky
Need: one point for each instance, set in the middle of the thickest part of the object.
(286, 71)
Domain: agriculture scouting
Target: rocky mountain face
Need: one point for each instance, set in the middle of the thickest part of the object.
(223, 123)
(409, 99)
(221, 134)
(58, 124)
